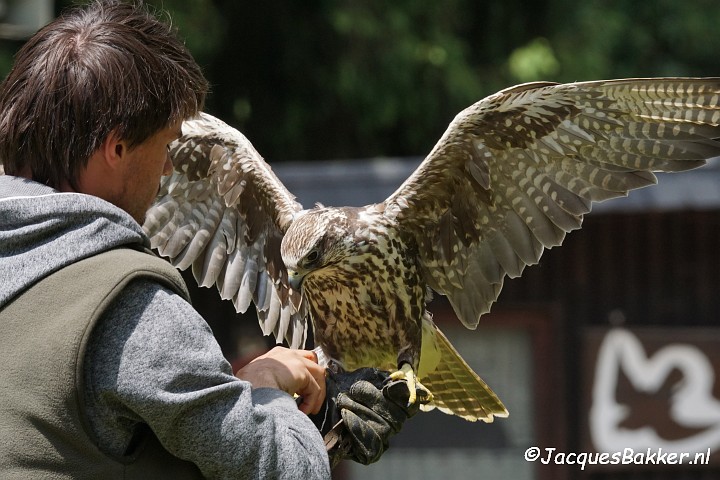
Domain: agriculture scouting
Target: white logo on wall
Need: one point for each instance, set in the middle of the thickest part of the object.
(692, 404)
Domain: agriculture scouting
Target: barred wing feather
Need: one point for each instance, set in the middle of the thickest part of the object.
(516, 171)
(223, 212)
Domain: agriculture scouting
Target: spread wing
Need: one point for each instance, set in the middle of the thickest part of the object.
(516, 171)
(224, 212)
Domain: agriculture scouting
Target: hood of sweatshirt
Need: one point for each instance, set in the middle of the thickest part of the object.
(43, 230)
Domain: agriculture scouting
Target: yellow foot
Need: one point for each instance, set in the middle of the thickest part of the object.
(406, 373)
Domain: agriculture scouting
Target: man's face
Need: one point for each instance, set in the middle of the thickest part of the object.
(142, 169)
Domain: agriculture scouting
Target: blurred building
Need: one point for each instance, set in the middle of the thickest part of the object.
(611, 343)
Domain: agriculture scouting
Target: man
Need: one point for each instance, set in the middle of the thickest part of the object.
(108, 372)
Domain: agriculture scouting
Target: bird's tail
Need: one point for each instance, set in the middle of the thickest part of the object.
(457, 389)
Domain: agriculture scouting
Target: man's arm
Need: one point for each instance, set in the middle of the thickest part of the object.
(153, 360)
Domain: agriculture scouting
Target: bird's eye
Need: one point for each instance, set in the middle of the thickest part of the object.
(312, 256)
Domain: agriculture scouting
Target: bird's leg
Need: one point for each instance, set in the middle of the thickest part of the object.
(407, 373)
(324, 360)
(335, 367)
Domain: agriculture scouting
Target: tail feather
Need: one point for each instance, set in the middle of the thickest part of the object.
(458, 390)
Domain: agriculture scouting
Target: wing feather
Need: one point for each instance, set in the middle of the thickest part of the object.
(526, 164)
(223, 212)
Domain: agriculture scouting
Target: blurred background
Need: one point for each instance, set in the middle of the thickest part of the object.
(612, 342)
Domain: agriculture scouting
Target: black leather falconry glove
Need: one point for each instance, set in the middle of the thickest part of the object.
(363, 409)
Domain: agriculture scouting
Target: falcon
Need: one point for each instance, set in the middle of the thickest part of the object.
(511, 175)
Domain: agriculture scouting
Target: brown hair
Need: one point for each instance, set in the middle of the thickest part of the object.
(110, 66)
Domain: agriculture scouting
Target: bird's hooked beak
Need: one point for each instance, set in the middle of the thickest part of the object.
(295, 279)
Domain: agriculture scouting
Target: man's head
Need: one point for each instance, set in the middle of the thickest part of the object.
(109, 72)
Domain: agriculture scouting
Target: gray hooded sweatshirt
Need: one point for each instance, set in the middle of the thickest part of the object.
(147, 337)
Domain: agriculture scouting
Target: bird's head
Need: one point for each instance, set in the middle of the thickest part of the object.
(317, 239)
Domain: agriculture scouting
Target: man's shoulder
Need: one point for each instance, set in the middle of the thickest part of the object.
(122, 265)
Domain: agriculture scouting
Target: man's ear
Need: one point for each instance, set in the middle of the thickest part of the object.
(113, 150)
(105, 166)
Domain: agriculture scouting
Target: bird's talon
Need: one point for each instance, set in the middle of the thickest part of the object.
(406, 373)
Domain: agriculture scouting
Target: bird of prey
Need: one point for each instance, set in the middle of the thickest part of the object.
(511, 175)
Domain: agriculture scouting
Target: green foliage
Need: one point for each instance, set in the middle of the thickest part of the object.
(315, 79)
(534, 60)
